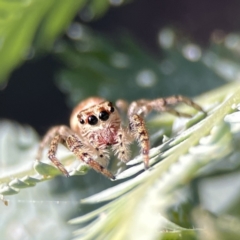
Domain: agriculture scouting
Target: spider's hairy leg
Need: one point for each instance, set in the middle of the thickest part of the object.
(46, 141)
(52, 132)
(162, 104)
(53, 137)
(179, 98)
(76, 146)
(138, 129)
(143, 107)
(52, 154)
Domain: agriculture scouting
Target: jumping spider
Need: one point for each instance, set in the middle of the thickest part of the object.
(95, 127)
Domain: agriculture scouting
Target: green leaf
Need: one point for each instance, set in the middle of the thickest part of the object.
(28, 27)
(30, 180)
(16, 183)
(46, 169)
(46, 18)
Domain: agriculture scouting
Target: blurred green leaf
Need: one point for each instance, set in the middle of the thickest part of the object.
(221, 228)
(46, 169)
(28, 27)
(27, 21)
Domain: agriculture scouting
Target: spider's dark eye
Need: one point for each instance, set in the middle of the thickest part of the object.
(104, 115)
(92, 120)
(112, 109)
(82, 121)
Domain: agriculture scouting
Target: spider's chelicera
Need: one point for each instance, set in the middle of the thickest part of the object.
(96, 128)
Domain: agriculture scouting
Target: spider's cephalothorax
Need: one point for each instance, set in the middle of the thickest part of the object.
(99, 124)
(96, 128)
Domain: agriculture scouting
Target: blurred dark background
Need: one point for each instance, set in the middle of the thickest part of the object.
(31, 96)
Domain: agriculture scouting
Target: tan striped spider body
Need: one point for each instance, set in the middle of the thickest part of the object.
(96, 129)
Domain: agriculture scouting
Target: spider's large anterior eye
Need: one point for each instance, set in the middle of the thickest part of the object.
(92, 120)
(104, 115)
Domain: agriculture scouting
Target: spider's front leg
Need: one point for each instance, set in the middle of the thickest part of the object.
(47, 140)
(84, 153)
(54, 137)
(138, 130)
(52, 154)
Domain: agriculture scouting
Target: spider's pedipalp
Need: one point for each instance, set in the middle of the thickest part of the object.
(121, 147)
